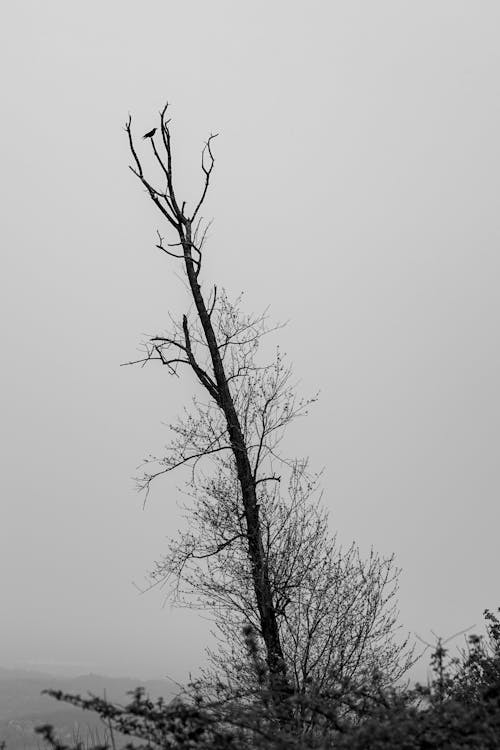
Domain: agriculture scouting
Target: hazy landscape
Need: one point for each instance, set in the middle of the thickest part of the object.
(23, 707)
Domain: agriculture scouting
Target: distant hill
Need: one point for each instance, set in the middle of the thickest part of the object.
(22, 707)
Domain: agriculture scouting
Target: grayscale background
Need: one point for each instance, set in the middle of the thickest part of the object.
(356, 192)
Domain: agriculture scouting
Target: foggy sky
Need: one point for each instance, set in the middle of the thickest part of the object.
(356, 192)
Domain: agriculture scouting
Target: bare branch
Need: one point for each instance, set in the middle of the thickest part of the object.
(268, 479)
(165, 132)
(213, 302)
(128, 128)
(160, 246)
(203, 377)
(207, 170)
(218, 549)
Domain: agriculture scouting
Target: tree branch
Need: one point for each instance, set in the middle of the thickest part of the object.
(207, 171)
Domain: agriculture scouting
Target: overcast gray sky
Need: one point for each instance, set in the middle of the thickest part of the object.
(356, 191)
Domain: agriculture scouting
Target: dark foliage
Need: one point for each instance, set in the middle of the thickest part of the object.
(458, 710)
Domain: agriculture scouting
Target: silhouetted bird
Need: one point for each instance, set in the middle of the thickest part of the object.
(150, 134)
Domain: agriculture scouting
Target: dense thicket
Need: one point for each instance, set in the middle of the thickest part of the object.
(458, 710)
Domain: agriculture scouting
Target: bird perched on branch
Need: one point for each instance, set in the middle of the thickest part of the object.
(150, 134)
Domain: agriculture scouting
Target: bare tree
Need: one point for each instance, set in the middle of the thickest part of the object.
(255, 554)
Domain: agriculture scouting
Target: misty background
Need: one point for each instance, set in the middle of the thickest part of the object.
(355, 192)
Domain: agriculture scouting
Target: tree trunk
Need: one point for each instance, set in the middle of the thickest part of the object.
(260, 573)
